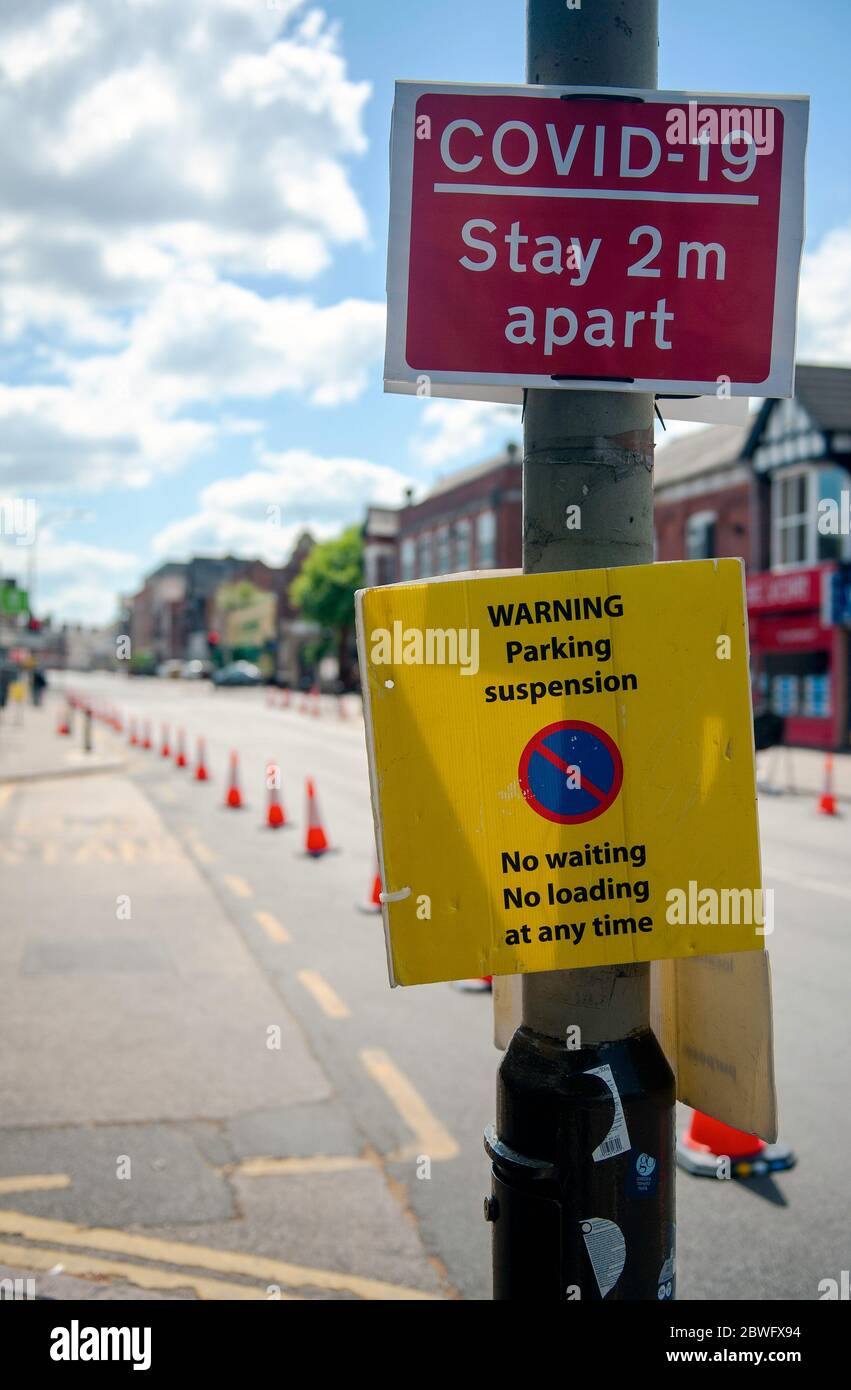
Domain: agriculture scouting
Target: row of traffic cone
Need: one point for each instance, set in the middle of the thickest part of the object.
(316, 840)
(310, 702)
(75, 702)
(180, 758)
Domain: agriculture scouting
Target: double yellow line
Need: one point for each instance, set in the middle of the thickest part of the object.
(270, 1275)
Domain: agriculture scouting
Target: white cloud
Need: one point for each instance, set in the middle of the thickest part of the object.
(262, 512)
(146, 162)
(75, 581)
(204, 339)
(91, 436)
(454, 429)
(28, 49)
(223, 135)
(119, 418)
(824, 322)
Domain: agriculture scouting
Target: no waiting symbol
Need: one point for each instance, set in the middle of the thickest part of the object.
(549, 765)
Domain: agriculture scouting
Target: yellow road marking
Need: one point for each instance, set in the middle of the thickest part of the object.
(432, 1138)
(238, 886)
(34, 1182)
(175, 1252)
(286, 1167)
(95, 850)
(327, 998)
(273, 928)
(201, 851)
(37, 1257)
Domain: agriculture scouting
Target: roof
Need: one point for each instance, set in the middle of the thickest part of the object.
(825, 394)
(382, 523)
(476, 470)
(699, 452)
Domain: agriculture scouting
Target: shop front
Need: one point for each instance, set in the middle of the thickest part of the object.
(799, 653)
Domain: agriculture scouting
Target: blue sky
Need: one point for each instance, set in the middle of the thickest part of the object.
(192, 256)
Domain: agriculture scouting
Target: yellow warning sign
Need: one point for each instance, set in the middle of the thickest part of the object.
(562, 769)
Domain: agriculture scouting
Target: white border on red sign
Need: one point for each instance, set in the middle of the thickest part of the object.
(508, 389)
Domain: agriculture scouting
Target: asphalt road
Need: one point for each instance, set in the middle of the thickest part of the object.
(149, 1037)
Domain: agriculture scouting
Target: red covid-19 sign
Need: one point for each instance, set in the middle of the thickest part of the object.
(555, 237)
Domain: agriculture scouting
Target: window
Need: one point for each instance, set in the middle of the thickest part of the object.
(409, 559)
(426, 564)
(803, 532)
(700, 536)
(462, 545)
(486, 541)
(443, 564)
(385, 569)
(830, 543)
(790, 517)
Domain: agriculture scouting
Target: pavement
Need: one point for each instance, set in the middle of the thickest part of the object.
(27, 751)
(207, 1088)
(803, 772)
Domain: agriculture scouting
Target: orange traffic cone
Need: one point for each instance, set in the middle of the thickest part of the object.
(373, 902)
(201, 773)
(133, 739)
(165, 751)
(285, 699)
(707, 1142)
(234, 795)
(146, 741)
(180, 759)
(316, 842)
(827, 800)
(64, 726)
(275, 817)
(315, 710)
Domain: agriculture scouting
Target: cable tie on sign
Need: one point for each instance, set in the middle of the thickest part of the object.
(399, 896)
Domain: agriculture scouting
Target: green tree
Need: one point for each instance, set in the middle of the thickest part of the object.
(324, 591)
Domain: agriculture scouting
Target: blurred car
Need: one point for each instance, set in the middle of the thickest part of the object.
(169, 670)
(238, 673)
(195, 670)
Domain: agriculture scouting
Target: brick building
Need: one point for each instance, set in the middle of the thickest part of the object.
(471, 520)
(702, 494)
(778, 494)
(173, 612)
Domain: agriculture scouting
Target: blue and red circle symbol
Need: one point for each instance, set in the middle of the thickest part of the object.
(570, 772)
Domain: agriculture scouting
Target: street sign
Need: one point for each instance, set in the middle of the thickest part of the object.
(570, 772)
(13, 600)
(562, 769)
(593, 237)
